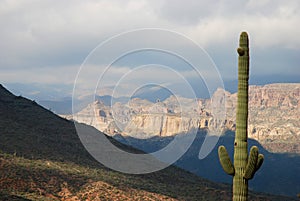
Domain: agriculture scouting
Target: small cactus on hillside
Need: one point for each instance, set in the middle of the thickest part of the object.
(244, 166)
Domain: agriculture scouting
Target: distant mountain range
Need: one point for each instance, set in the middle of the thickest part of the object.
(274, 112)
(42, 158)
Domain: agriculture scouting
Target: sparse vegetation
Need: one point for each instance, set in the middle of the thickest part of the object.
(43, 179)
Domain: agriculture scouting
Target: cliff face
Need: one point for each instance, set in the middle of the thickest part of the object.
(145, 125)
(274, 116)
(274, 112)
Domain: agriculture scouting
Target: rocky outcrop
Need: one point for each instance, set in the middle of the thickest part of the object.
(274, 116)
(144, 119)
(274, 112)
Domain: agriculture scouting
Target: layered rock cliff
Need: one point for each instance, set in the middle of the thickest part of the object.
(274, 116)
(274, 112)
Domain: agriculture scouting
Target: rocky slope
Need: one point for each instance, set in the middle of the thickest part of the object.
(274, 112)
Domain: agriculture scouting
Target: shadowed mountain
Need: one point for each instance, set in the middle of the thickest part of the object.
(42, 158)
(278, 175)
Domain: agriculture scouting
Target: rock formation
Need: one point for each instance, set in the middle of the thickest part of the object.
(274, 112)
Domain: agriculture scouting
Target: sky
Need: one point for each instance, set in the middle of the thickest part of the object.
(44, 43)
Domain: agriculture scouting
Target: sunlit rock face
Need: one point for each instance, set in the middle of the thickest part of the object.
(274, 112)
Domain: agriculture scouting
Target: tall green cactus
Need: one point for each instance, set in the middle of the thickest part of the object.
(244, 167)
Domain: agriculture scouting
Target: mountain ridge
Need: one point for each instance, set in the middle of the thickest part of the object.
(273, 116)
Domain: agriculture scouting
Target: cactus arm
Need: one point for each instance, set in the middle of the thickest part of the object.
(225, 160)
(252, 162)
(260, 161)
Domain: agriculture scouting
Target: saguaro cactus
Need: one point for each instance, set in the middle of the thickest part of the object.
(244, 166)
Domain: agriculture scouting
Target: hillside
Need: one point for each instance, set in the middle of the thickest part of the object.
(42, 158)
(274, 112)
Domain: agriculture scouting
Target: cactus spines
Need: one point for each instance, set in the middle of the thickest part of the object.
(244, 166)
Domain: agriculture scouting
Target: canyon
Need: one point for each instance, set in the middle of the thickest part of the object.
(274, 112)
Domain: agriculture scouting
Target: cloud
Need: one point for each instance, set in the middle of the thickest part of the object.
(46, 75)
(42, 30)
(272, 23)
(40, 38)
